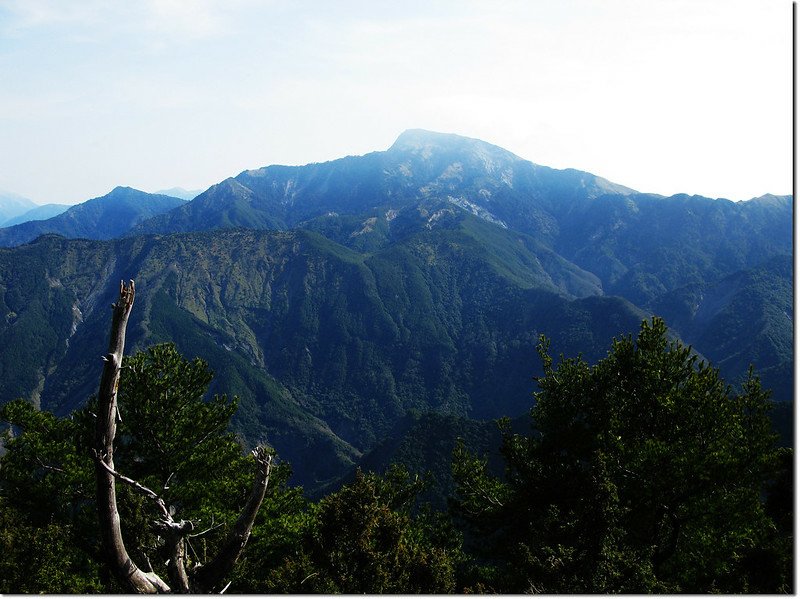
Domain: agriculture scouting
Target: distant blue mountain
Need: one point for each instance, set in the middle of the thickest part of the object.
(105, 217)
(12, 205)
(39, 213)
(180, 192)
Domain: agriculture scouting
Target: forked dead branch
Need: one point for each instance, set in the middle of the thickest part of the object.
(184, 577)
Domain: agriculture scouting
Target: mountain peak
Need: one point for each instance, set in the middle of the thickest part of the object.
(769, 199)
(123, 192)
(120, 193)
(427, 143)
(416, 138)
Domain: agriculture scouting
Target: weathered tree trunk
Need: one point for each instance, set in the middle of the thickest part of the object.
(208, 577)
(120, 562)
(205, 578)
(176, 541)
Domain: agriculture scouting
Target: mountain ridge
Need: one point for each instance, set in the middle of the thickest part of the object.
(572, 212)
(392, 179)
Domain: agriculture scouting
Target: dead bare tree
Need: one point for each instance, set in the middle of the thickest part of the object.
(200, 578)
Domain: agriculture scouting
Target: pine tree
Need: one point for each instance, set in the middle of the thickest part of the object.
(644, 473)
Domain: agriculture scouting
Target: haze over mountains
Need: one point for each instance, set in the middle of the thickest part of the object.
(337, 298)
(179, 192)
(13, 205)
(42, 212)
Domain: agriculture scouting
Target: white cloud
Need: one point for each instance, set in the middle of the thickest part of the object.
(30, 14)
(187, 21)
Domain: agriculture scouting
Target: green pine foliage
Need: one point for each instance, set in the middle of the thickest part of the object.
(365, 539)
(642, 473)
(49, 528)
(169, 439)
(645, 473)
(38, 558)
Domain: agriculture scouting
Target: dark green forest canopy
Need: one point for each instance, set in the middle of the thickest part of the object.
(642, 473)
(172, 440)
(436, 324)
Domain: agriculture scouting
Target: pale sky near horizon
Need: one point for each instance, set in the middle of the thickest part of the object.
(664, 96)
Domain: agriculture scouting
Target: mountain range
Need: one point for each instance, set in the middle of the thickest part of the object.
(105, 217)
(338, 298)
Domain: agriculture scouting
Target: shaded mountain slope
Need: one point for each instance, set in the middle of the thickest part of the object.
(644, 245)
(327, 347)
(742, 319)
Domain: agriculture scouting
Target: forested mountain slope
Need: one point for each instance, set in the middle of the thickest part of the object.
(606, 239)
(327, 347)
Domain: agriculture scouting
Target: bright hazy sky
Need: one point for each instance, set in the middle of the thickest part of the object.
(665, 96)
